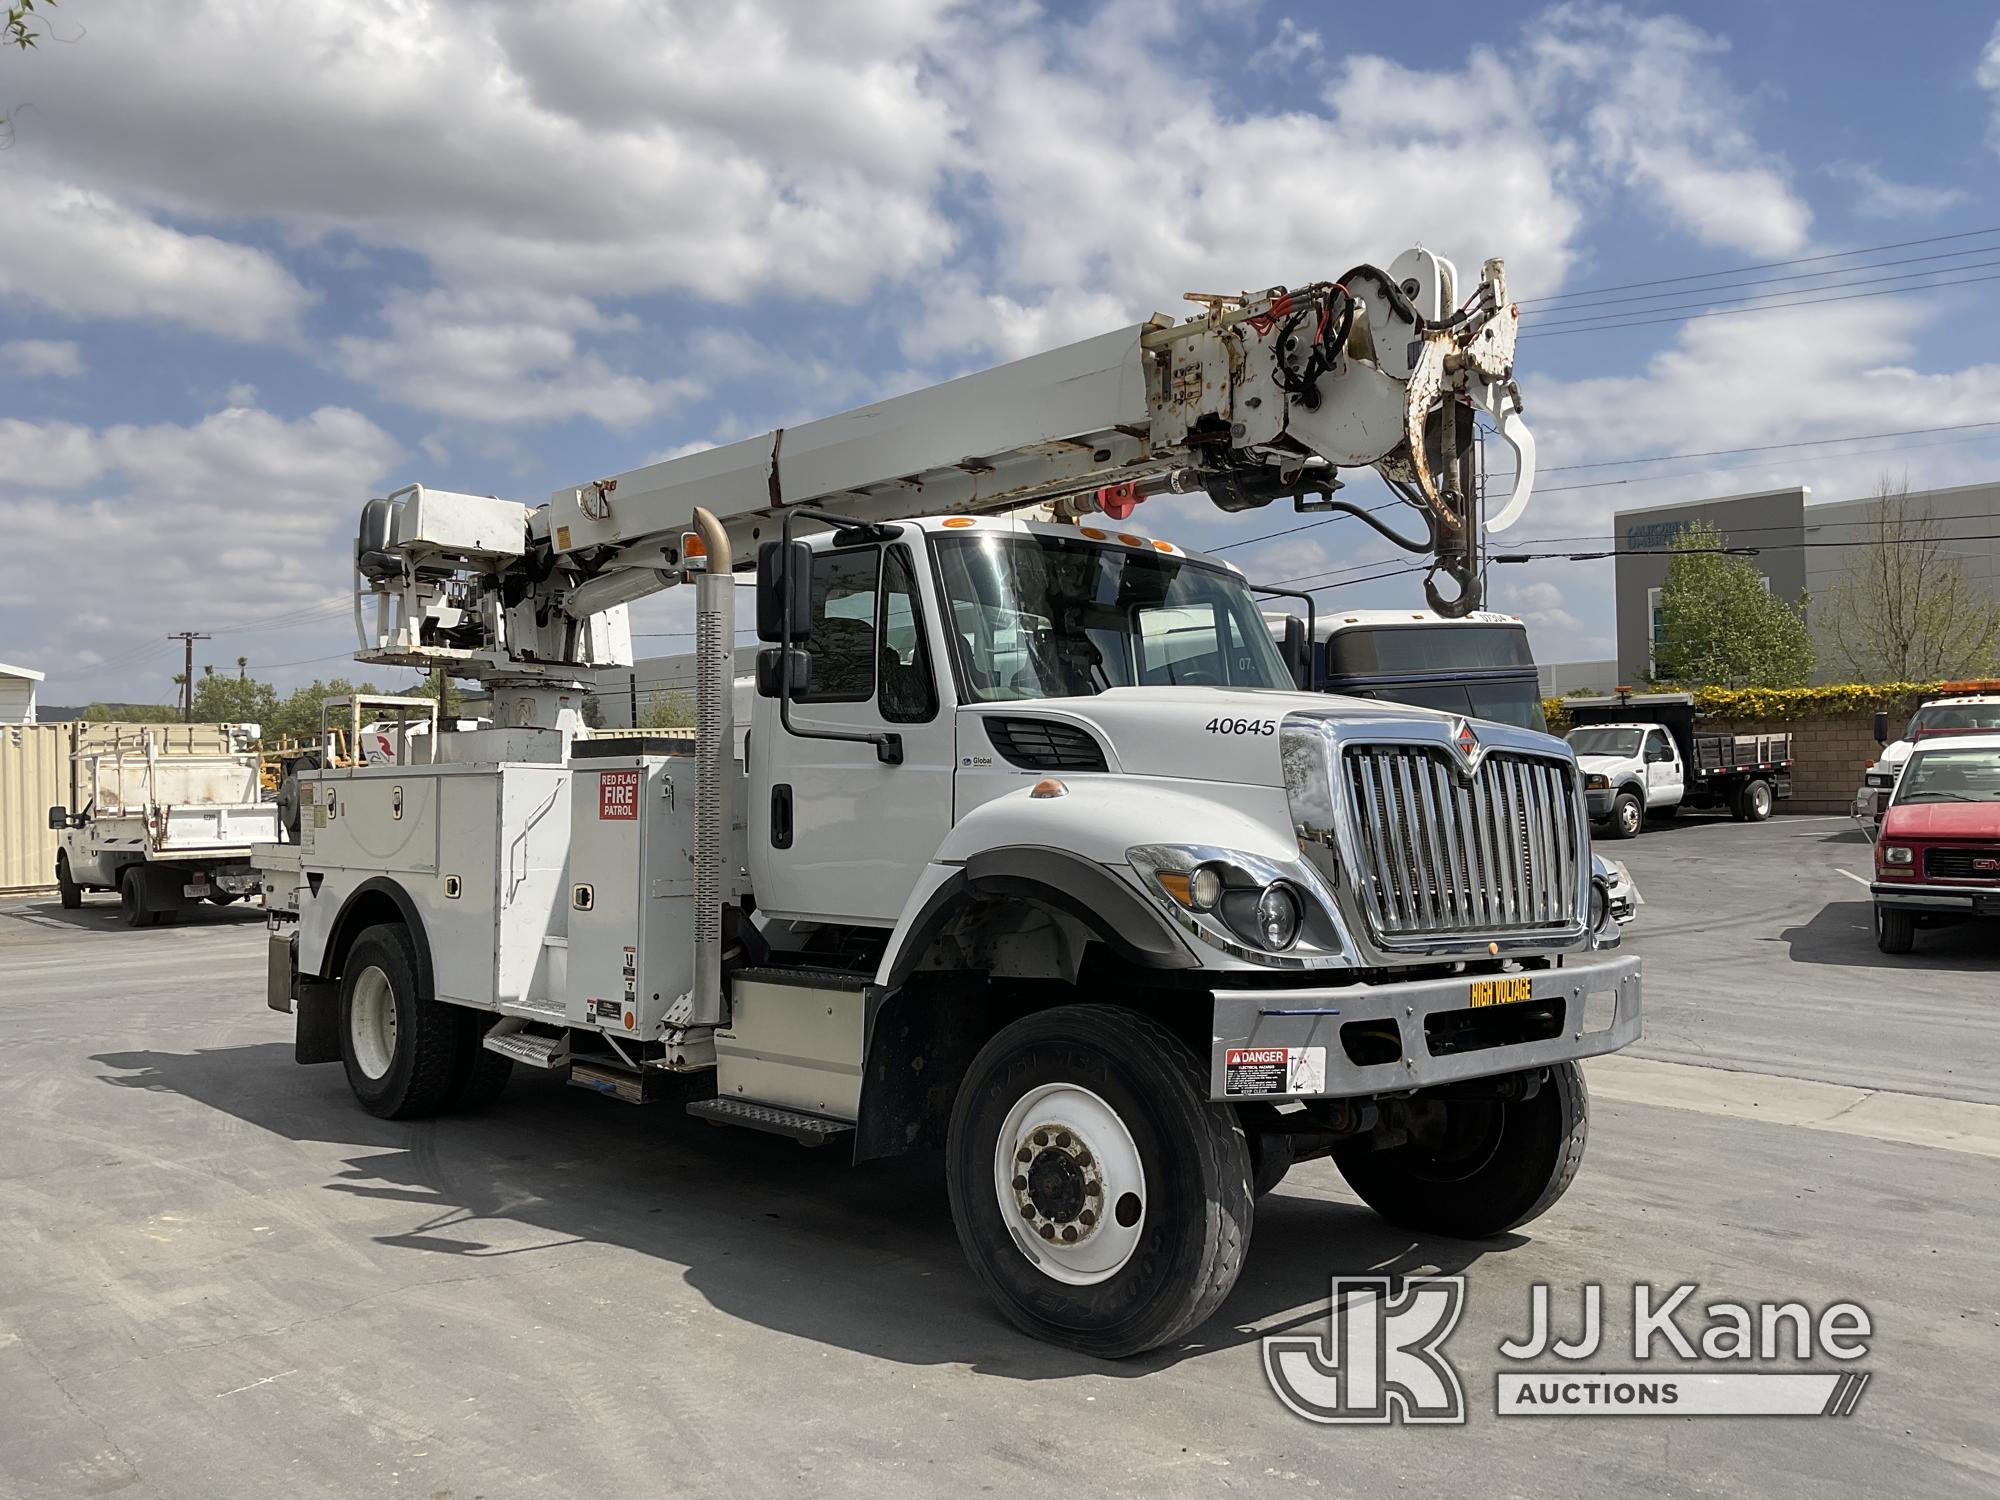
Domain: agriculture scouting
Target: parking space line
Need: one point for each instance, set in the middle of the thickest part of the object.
(1858, 880)
(1879, 1114)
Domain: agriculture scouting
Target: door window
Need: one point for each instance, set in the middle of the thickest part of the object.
(909, 691)
(842, 635)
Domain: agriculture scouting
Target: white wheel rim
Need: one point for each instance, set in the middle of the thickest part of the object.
(1070, 1185)
(371, 1023)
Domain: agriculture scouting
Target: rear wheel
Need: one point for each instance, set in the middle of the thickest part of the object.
(1895, 929)
(1102, 1200)
(1628, 816)
(1476, 1167)
(398, 1048)
(132, 898)
(67, 890)
(1753, 802)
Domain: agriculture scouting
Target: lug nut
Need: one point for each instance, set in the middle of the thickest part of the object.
(1041, 1137)
(1090, 1189)
(1087, 1218)
(1069, 1234)
(1020, 1184)
(1048, 1231)
(1027, 1210)
(1024, 1154)
(1062, 1139)
(1083, 1158)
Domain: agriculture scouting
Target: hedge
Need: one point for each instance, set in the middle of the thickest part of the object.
(1782, 703)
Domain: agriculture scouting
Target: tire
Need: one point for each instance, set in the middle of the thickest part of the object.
(132, 898)
(1895, 930)
(1628, 816)
(1754, 801)
(478, 1077)
(398, 1048)
(1270, 1159)
(67, 890)
(1141, 1138)
(1498, 1165)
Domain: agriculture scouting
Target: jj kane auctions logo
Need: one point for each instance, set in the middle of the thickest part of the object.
(1382, 1357)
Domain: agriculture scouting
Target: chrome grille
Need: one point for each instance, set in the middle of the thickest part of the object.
(1503, 851)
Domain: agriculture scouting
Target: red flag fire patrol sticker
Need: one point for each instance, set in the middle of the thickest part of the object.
(1274, 1070)
(617, 794)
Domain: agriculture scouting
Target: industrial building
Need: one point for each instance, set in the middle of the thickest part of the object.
(1802, 549)
(17, 694)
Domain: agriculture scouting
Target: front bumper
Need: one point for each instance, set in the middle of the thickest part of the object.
(1917, 896)
(1598, 804)
(1356, 1040)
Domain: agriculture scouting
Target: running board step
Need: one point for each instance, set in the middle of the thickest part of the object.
(807, 1130)
(529, 1050)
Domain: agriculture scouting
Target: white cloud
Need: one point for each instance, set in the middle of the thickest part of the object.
(38, 358)
(80, 252)
(613, 146)
(502, 355)
(1660, 118)
(242, 515)
(1882, 197)
(1987, 76)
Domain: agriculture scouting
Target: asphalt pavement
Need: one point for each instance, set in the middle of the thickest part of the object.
(218, 1277)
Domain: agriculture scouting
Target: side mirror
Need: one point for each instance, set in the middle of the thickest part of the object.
(770, 664)
(1297, 652)
(58, 817)
(774, 580)
(1882, 728)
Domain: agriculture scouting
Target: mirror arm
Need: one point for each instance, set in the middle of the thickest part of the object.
(1312, 615)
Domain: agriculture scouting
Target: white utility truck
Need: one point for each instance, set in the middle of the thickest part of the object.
(1124, 927)
(1960, 708)
(165, 831)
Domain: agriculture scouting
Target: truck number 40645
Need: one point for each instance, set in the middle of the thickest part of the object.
(1242, 726)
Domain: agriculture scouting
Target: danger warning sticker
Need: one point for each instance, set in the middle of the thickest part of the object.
(1274, 1070)
(617, 794)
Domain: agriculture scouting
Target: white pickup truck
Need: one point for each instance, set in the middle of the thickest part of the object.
(164, 831)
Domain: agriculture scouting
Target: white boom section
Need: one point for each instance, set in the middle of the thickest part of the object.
(1257, 397)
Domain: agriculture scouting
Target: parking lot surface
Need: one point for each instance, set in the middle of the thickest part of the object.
(218, 1277)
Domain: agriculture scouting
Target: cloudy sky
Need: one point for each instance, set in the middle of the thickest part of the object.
(261, 260)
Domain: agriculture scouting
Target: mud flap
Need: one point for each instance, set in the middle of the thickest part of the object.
(316, 1002)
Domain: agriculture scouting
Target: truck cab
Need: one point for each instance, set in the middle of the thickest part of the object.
(1630, 772)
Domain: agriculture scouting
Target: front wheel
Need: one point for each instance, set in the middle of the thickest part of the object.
(1476, 1167)
(398, 1048)
(1628, 815)
(67, 890)
(1102, 1200)
(1895, 929)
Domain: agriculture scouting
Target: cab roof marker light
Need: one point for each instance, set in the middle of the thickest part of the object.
(955, 522)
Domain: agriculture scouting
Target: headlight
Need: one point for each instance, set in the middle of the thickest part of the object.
(1895, 854)
(1600, 904)
(1596, 783)
(1278, 916)
(1256, 908)
(1880, 778)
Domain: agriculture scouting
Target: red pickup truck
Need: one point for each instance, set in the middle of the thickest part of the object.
(1937, 859)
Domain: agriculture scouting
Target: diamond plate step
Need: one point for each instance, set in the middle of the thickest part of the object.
(531, 1051)
(807, 1130)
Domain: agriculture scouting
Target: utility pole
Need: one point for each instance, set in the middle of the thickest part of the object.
(187, 638)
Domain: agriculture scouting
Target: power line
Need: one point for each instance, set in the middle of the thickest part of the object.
(1858, 437)
(1769, 265)
(1758, 299)
(1721, 286)
(1729, 312)
(1599, 556)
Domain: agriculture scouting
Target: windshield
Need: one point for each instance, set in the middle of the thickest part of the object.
(1623, 742)
(1036, 616)
(1951, 776)
(1515, 703)
(1953, 718)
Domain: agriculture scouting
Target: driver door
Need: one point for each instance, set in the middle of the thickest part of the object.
(836, 833)
(1664, 784)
